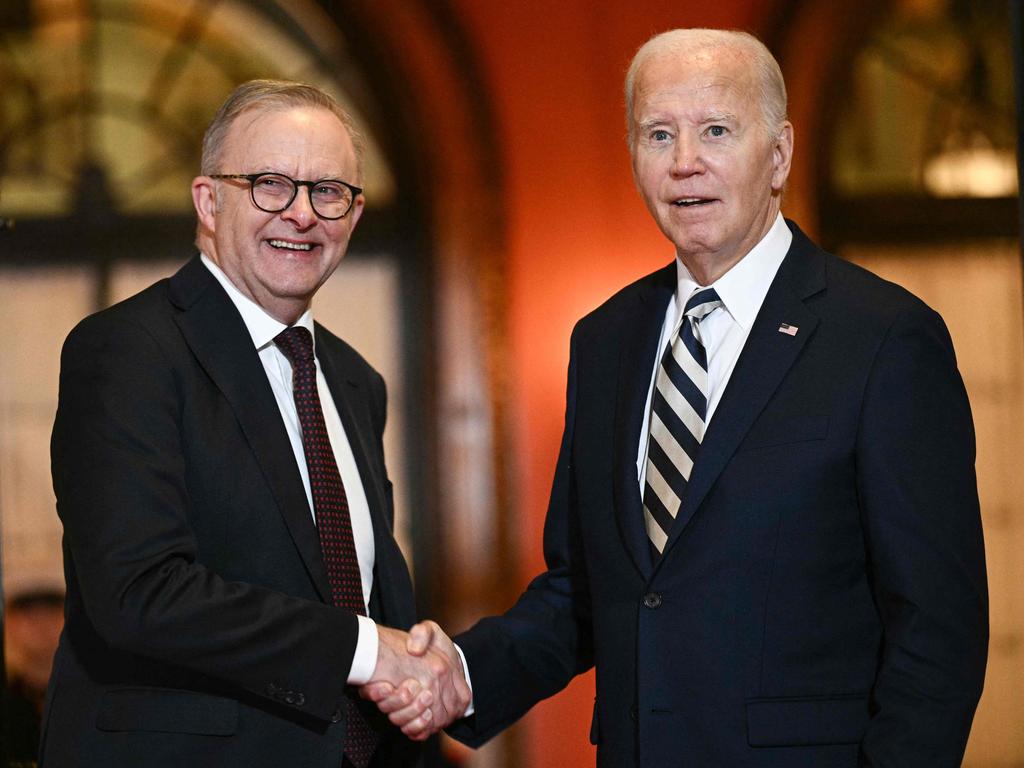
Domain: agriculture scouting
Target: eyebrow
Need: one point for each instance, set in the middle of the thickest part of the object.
(715, 117)
(651, 122)
(719, 117)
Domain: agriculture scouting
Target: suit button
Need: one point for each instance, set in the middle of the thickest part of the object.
(336, 717)
(652, 600)
(632, 713)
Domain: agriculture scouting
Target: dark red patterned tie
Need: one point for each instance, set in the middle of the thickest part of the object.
(332, 517)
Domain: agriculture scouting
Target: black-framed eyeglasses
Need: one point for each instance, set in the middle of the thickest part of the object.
(273, 192)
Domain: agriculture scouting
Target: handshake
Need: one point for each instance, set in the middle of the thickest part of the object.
(418, 681)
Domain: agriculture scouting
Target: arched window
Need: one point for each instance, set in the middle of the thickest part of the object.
(921, 143)
(101, 121)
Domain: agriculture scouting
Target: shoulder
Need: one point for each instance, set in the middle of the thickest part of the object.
(621, 310)
(143, 319)
(845, 293)
(857, 296)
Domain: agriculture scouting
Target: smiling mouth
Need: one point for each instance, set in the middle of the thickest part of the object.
(291, 246)
(688, 202)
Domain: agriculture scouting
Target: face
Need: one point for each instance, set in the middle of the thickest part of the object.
(703, 160)
(278, 260)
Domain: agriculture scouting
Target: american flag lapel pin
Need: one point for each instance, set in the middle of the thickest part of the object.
(788, 329)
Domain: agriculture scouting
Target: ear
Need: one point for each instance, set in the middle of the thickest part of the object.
(356, 213)
(204, 198)
(782, 156)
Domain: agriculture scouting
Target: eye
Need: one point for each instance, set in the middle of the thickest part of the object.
(273, 184)
(660, 135)
(329, 190)
(717, 131)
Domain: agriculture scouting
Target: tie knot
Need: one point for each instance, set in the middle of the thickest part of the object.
(296, 343)
(701, 303)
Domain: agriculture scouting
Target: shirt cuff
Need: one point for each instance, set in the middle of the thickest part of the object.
(364, 662)
(465, 672)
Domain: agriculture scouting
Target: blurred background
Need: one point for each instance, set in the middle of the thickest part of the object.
(500, 209)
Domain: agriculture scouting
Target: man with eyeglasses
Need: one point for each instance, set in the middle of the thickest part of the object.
(218, 464)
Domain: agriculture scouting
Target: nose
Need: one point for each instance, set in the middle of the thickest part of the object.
(301, 212)
(686, 157)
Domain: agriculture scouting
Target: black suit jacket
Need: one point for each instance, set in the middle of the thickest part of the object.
(821, 601)
(199, 630)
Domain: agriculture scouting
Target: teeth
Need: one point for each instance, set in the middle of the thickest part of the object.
(292, 246)
(688, 201)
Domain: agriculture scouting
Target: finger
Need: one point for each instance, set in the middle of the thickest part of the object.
(418, 709)
(404, 696)
(376, 691)
(420, 637)
(421, 727)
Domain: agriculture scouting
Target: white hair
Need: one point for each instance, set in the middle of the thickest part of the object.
(683, 42)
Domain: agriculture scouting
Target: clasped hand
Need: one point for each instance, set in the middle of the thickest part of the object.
(418, 682)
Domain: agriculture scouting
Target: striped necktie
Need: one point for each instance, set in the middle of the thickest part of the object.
(678, 410)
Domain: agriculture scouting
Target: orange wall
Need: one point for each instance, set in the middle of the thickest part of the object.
(577, 231)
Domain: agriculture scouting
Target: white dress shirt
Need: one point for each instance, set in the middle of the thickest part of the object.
(263, 328)
(724, 332)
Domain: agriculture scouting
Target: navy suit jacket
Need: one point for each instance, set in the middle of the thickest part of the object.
(821, 600)
(199, 628)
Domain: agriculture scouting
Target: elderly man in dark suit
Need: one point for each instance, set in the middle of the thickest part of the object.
(764, 528)
(219, 472)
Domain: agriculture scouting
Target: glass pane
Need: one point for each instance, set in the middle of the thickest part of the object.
(129, 86)
(35, 327)
(930, 107)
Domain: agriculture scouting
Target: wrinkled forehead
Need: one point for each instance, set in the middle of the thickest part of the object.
(706, 74)
(311, 132)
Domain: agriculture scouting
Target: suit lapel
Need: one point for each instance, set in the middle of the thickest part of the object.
(763, 363)
(638, 351)
(217, 336)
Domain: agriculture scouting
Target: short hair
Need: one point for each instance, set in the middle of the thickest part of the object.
(772, 87)
(271, 95)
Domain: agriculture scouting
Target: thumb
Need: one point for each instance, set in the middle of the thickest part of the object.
(420, 637)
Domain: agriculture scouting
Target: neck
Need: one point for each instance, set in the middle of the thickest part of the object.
(708, 267)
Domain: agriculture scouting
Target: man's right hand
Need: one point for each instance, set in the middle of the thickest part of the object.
(418, 681)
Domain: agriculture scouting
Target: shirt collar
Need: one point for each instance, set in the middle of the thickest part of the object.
(742, 289)
(261, 326)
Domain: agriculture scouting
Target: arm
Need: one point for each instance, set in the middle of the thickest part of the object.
(120, 475)
(537, 647)
(919, 502)
(533, 650)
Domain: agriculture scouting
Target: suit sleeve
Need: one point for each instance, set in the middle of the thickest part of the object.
(919, 503)
(537, 647)
(120, 479)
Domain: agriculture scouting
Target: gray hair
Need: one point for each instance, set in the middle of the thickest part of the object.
(681, 42)
(270, 95)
